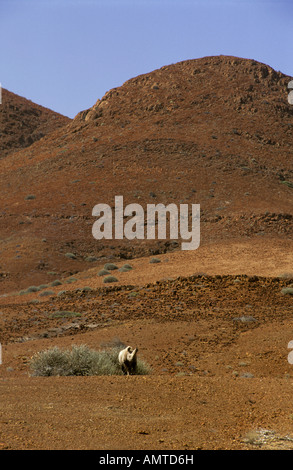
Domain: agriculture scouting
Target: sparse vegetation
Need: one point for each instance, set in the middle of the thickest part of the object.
(85, 289)
(61, 292)
(133, 294)
(80, 360)
(287, 290)
(110, 279)
(103, 272)
(64, 314)
(32, 289)
(70, 255)
(287, 183)
(286, 275)
(70, 280)
(125, 268)
(46, 293)
(91, 259)
(110, 266)
(50, 362)
(56, 283)
(29, 290)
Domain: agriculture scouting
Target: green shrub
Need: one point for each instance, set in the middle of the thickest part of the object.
(286, 275)
(287, 290)
(125, 268)
(84, 361)
(46, 293)
(56, 283)
(133, 294)
(103, 272)
(287, 183)
(50, 362)
(84, 289)
(61, 292)
(110, 266)
(110, 279)
(70, 255)
(70, 280)
(32, 289)
(64, 314)
(80, 360)
(91, 259)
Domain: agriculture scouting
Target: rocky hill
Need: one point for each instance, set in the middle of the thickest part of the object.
(215, 131)
(23, 122)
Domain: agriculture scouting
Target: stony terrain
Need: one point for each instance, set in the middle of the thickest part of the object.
(23, 122)
(214, 323)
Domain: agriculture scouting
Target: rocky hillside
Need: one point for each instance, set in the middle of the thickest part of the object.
(23, 122)
(215, 131)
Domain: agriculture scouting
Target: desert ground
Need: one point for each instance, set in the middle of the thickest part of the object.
(215, 338)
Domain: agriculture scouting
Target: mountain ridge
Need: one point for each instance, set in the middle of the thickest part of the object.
(23, 122)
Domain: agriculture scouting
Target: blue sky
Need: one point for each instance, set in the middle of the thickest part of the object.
(66, 54)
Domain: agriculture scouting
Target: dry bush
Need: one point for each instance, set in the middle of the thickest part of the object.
(80, 360)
